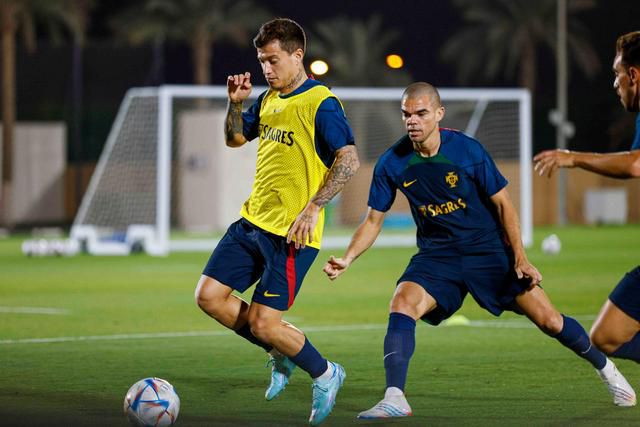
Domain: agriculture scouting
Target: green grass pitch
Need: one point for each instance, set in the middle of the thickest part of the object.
(122, 319)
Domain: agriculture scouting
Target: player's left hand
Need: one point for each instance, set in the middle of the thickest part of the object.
(546, 162)
(301, 232)
(524, 269)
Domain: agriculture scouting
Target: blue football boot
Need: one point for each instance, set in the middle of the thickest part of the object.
(324, 394)
(281, 370)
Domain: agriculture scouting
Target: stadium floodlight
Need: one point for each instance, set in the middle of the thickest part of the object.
(319, 67)
(395, 61)
(166, 181)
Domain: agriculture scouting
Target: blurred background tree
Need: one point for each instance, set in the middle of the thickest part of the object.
(502, 38)
(57, 16)
(201, 23)
(355, 51)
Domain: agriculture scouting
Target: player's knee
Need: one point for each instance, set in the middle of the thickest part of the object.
(602, 341)
(206, 298)
(400, 304)
(261, 328)
(551, 323)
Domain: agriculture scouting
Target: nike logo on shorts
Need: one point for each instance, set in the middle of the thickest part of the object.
(406, 184)
(267, 294)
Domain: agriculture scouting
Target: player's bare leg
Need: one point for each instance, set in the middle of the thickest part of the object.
(535, 304)
(217, 301)
(613, 328)
(409, 303)
(266, 324)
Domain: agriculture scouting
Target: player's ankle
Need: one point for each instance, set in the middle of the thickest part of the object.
(326, 375)
(393, 392)
(608, 367)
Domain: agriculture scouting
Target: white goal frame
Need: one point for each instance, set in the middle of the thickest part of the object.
(155, 238)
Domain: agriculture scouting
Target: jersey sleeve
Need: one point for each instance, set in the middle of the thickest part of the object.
(382, 192)
(332, 130)
(486, 173)
(636, 140)
(251, 119)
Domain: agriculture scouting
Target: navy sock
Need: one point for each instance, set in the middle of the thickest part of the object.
(310, 360)
(399, 344)
(574, 336)
(629, 350)
(245, 332)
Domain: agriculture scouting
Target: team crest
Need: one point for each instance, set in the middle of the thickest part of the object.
(451, 179)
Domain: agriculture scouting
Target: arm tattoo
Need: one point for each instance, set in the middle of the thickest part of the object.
(343, 169)
(233, 122)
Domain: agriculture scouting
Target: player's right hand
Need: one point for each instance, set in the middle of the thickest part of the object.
(239, 87)
(335, 267)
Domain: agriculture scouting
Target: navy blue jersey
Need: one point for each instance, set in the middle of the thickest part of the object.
(636, 140)
(332, 129)
(448, 193)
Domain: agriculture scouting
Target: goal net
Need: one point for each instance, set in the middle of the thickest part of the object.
(167, 182)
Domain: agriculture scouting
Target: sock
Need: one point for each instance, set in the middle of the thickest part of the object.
(245, 332)
(399, 344)
(327, 374)
(629, 350)
(310, 360)
(574, 336)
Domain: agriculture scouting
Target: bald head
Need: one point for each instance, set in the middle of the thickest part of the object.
(420, 89)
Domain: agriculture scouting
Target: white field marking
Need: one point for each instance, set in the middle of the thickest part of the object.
(34, 310)
(118, 337)
(518, 323)
(511, 323)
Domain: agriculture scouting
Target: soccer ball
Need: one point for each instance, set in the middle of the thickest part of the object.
(551, 244)
(152, 402)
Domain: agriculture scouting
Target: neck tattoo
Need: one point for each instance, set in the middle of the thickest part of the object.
(295, 82)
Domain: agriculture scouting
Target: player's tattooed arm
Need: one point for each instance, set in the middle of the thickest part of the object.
(345, 166)
(233, 125)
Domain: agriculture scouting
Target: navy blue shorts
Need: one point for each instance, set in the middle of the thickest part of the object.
(626, 295)
(489, 277)
(248, 254)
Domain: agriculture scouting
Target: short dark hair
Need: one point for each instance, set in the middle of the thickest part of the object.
(417, 89)
(288, 32)
(628, 47)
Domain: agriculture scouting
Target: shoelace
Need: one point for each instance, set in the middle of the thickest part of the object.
(316, 386)
(277, 366)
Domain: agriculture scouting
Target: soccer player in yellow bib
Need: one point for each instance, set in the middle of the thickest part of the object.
(306, 154)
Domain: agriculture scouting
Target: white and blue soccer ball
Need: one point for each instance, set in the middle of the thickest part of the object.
(551, 244)
(152, 402)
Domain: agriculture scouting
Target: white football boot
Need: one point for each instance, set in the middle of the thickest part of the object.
(619, 388)
(393, 405)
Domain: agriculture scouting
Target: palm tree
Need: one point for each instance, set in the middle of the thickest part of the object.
(14, 15)
(20, 15)
(356, 51)
(73, 16)
(199, 22)
(504, 36)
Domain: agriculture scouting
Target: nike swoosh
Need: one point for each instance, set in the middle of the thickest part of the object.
(267, 294)
(406, 184)
(387, 355)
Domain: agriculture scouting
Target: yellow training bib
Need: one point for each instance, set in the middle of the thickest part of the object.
(289, 172)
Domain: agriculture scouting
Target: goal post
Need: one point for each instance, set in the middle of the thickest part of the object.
(167, 182)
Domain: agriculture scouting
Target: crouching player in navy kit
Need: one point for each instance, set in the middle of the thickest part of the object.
(616, 331)
(306, 154)
(464, 219)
